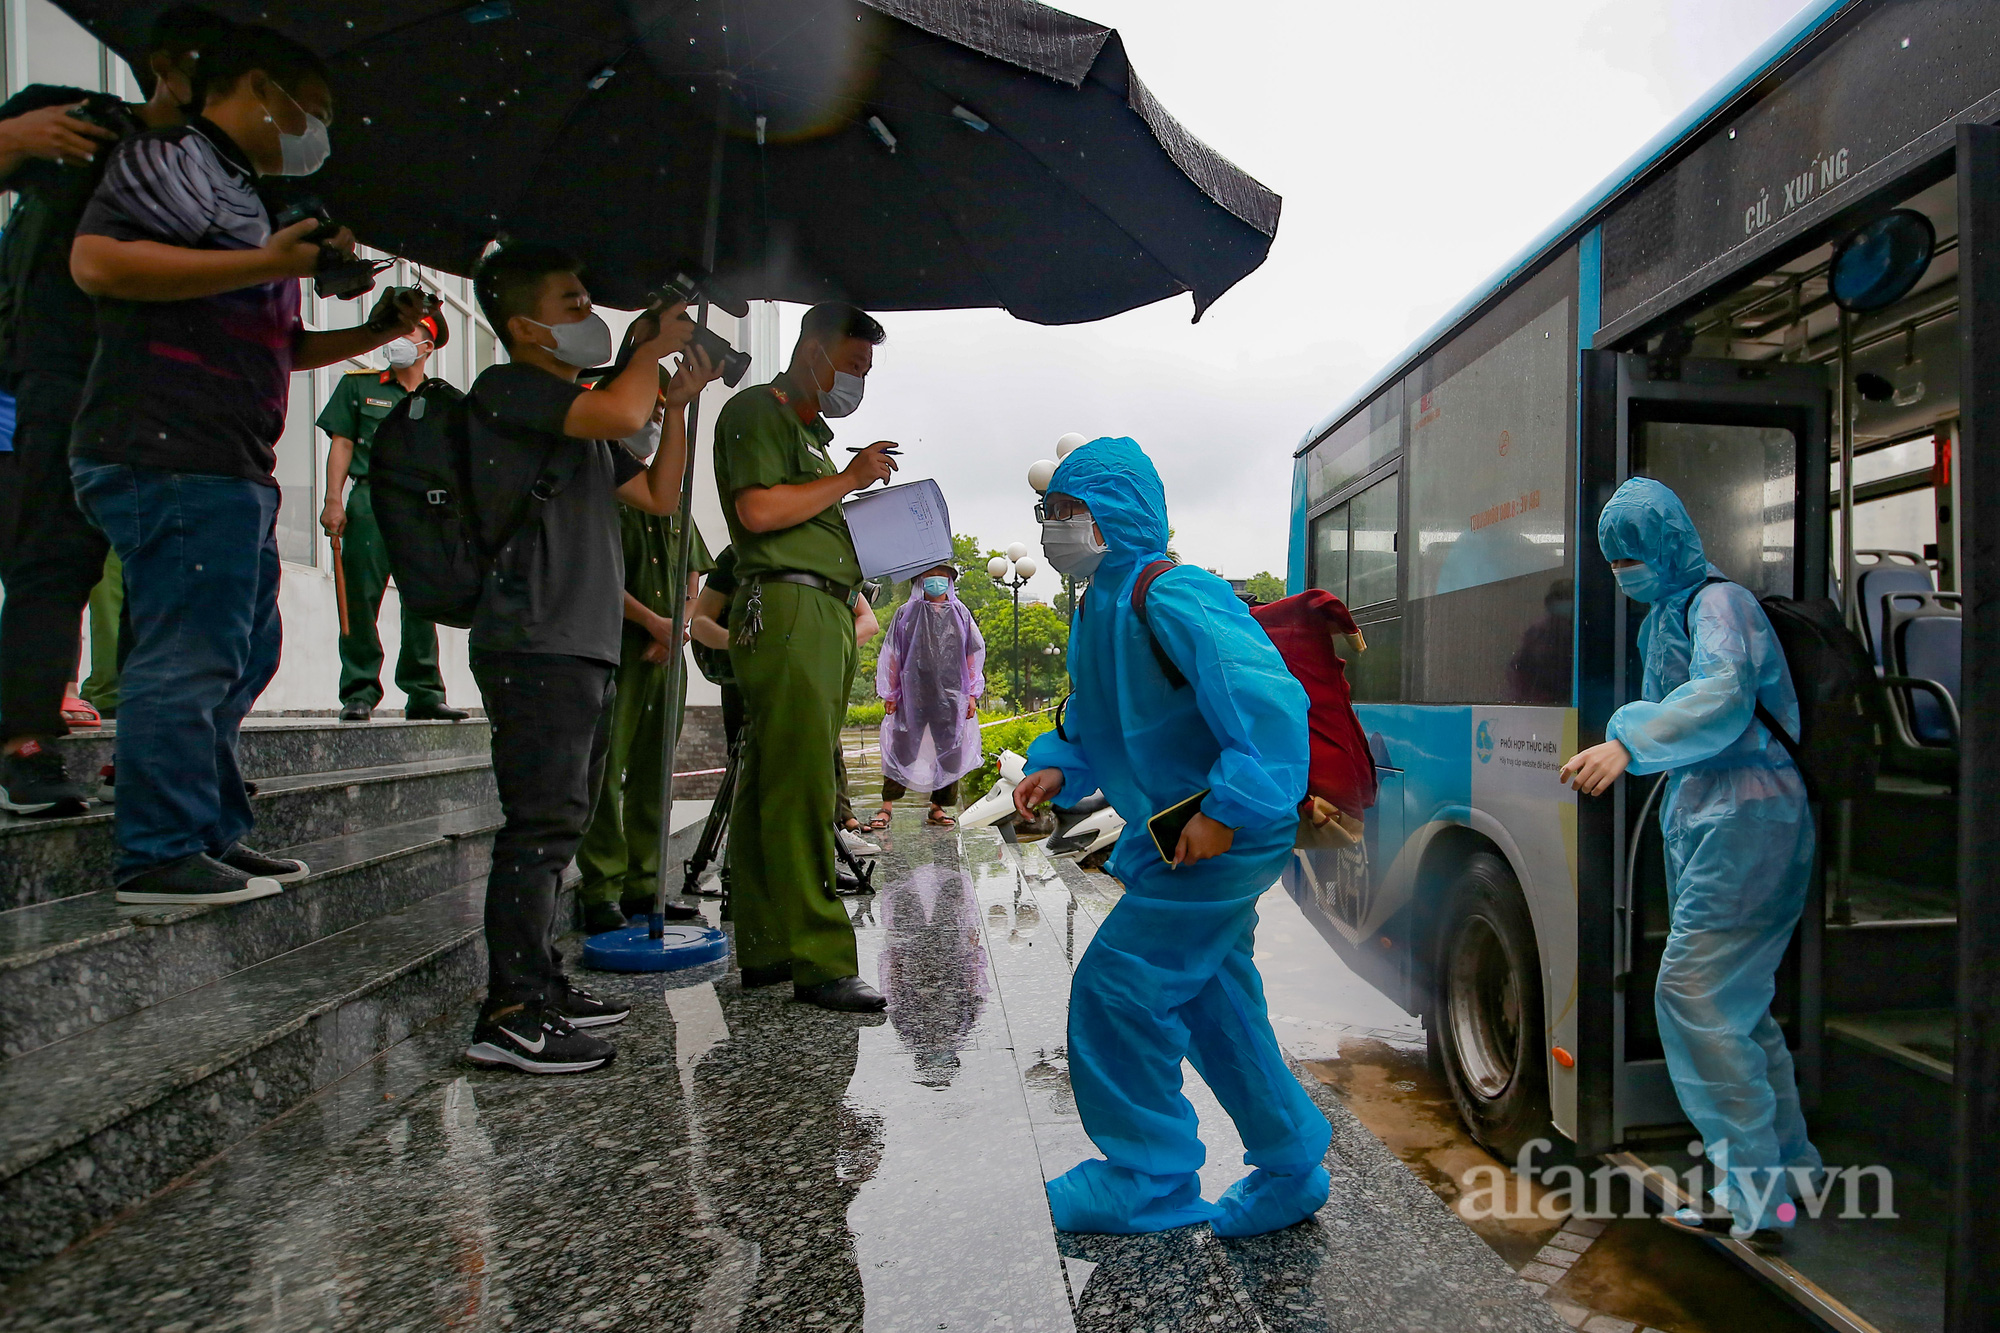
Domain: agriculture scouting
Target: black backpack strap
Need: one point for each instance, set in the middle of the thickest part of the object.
(558, 468)
(1140, 586)
(1763, 714)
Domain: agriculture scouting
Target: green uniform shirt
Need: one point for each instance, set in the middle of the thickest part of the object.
(760, 441)
(357, 407)
(651, 543)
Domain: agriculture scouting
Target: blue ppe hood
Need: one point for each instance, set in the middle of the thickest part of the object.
(1115, 478)
(1646, 521)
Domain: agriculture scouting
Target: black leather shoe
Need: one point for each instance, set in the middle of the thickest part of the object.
(754, 977)
(600, 917)
(644, 907)
(356, 713)
(846, 995)
(435, 713)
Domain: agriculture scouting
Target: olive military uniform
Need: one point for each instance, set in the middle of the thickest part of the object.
(792, 651)
(620, 854)
(357, 407)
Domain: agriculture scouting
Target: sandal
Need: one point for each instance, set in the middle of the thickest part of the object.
(937, 818)
(877, 821)
(80, 712)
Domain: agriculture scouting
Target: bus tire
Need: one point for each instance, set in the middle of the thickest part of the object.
(1488, 1009)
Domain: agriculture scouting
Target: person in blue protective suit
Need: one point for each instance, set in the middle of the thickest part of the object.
(1169, 974)
(1739, 848)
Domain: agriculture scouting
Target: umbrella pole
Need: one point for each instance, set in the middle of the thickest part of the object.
(670, 733)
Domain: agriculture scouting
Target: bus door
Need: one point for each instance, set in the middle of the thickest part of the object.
(1745, 446)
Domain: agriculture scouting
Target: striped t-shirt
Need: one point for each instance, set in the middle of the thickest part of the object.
(187, 386)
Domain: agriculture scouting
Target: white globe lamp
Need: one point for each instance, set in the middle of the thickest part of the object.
(998, 567)
(1025, 567)
(1039, 474)
(1069, 443)
(1016, 552)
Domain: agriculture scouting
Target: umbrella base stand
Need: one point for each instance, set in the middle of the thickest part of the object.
(680, 945)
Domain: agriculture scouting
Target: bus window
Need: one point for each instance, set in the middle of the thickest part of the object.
(1740, 486)
(1895, 498)
(1371, 561)
(1354, 556)
(1329, 552)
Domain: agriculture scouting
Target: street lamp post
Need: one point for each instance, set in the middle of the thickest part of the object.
(1012, 571)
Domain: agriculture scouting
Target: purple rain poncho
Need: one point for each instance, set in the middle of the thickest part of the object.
(932, 665)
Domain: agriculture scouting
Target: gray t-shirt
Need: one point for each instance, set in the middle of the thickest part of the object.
(559, 585)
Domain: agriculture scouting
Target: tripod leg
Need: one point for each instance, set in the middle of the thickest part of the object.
(716, 826)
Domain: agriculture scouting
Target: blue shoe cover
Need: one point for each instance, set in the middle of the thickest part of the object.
(1095, 1196)
(1263, 1201)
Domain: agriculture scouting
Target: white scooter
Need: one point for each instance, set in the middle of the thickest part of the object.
(1089, 826)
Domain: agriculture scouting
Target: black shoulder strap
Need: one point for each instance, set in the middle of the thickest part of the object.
(1763, 714)
(1140, 587)
(558, 468)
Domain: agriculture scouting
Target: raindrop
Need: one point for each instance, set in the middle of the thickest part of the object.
(350, 23)
(368, 120)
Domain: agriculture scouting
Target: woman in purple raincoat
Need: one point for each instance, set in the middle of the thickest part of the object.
(930, 676)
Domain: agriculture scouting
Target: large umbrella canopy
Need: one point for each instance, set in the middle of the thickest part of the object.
(902, 154)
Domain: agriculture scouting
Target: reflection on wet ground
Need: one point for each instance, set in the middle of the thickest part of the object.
(749, 1163)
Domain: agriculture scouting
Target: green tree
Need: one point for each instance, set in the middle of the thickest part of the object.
(975, 587)
(1265, 586)
(1044, 673)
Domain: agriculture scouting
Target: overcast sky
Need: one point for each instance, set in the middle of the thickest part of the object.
(1417, 146)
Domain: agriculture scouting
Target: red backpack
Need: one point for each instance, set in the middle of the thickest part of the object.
(1302, 627)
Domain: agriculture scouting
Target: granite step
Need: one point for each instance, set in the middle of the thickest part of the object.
(70, 965)
(98, 1121)
(43, 860)
(281, 747)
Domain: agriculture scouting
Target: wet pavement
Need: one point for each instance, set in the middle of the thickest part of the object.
(751, 1163)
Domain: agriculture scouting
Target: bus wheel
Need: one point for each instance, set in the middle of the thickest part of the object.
(1488, 1010)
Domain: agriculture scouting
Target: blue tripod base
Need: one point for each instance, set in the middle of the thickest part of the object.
(633, 949)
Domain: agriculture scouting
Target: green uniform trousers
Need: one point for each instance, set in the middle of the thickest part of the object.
(365, 558)
(107, 599)
(781, 859)
(620, 854)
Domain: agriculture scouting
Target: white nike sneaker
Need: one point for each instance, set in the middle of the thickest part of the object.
(855, 844)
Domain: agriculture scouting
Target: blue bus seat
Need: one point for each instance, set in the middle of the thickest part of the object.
(1876, 574)
(1923, 632)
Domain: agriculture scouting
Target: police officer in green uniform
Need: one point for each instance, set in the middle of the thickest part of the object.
(349, 419)
(620, 853)
(792, 651)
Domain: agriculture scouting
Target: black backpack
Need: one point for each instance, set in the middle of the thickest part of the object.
(1835, 680)
(420, 474)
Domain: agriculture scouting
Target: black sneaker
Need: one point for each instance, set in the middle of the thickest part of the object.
(284, 869)
(536, 1041)
(435, 713)
(585, 1010)
(196, 879)
(34, 781)
(356, 713)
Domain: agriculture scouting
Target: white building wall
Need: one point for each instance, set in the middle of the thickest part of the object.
(42, 45)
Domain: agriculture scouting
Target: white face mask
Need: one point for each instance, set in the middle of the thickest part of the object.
(403, 353)
(845, 395)
(1071, 546)
(306, 153)
(583, 344)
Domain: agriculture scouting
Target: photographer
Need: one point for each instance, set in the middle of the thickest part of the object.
(792, 653)
(52, 153)
(546, 636)
(349, 419)
(175, 444)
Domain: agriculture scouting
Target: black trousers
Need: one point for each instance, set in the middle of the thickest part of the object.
(551, 719)
(50, 559)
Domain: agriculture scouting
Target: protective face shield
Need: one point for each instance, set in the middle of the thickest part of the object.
(584, 344)
(306, 153)
(936, 586)
(1071, 545)
(845, 396)
(403, 352)
(1639, 582)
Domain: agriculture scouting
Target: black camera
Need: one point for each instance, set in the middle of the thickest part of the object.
(685, 286)
(108, 112)
(337, 274)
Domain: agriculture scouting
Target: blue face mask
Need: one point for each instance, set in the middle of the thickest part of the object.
(1638, 582)
(936, 586)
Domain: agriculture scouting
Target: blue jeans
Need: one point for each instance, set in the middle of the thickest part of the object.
(201, 581)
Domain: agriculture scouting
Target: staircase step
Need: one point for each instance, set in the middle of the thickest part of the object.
(98, 1121)
(42, 860)
(282, 747)
(70, 965)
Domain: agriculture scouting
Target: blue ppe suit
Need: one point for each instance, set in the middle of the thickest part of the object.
(1170, 973)
(1739, 850)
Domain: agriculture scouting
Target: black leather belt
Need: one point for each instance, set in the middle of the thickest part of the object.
(798, 576)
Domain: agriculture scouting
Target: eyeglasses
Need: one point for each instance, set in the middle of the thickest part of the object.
(1057, 508)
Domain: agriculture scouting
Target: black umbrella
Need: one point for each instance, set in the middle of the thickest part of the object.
(901, 154)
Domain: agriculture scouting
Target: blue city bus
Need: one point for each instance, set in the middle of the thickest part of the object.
(1680, 324)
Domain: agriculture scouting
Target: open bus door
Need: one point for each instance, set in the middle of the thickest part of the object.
(1745, 446)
